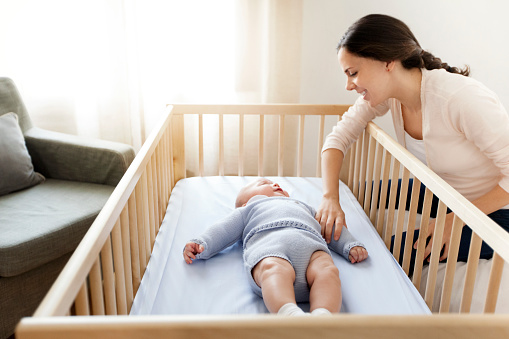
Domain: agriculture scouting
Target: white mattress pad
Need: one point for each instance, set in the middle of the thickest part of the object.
(218, 285)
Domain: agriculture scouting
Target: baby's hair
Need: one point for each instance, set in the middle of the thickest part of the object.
(384, 38)
(240, 201)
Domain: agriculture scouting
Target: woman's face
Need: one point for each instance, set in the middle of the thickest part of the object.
(368, 77)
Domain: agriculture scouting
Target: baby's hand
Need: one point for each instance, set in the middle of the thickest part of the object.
(357, 254)
(191, 250)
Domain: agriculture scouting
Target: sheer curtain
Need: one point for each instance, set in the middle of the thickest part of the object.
(107, 68)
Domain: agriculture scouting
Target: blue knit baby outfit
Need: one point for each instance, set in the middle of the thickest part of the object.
(274, 227)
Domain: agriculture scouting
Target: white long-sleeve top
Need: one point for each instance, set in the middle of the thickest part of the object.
(465, 131)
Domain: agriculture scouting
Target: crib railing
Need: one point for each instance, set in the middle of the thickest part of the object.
(377, 160)
(103, 275)
(280, 111)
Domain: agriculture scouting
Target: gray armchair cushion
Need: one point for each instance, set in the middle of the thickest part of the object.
(10, 101)
(68, 157)
(16, 169)
(44, 222)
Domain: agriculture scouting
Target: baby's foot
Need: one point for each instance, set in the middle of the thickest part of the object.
(357, 254)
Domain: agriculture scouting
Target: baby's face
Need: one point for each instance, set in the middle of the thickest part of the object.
(263, 187)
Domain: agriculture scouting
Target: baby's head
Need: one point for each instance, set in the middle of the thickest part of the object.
(261, 186)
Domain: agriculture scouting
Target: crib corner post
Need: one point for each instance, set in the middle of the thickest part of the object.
(178, 147)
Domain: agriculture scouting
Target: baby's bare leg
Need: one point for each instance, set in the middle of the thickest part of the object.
(276, 277)
(324, 283)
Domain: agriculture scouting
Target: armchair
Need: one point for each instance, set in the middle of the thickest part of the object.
(43, 220)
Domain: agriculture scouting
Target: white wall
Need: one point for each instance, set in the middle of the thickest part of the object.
(460, 32)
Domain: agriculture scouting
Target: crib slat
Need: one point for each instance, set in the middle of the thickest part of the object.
(173, 167)
(362, 173)
(120, 288)
(96, 289)
(435, 254)
(376, 183)
(357, 168)
(153, 189)
(470, 275)
(137, 239)
(81, 302)
(140, 213)
(146, 220)
(412, 216)
(497, 268)
(200, 143)
(401, 213)
(281, 145)
(421, 245)
(351, 165)
(178, 154)
(167, 172)
(156, 177)
(320, 145)
(109, 280)
(383, 193)
(221, 145)
(392, 202)
(261, 146)
(241, 145)
(133, 239)
(126, 249)
(300, 152)
(450, 268)
(162, 183)
(150, 201)
(369, 174)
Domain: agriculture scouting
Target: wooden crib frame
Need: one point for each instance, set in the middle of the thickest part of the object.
(105, 271)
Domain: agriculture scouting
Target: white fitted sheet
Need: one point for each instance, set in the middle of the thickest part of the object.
(219, 286)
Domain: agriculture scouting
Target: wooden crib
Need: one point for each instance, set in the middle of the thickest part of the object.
(104, 273)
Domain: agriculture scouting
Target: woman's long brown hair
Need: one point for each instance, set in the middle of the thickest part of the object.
(384, 38)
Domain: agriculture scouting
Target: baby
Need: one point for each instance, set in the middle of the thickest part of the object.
(285, 256)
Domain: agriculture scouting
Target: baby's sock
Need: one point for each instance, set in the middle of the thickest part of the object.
(321, 311)
(290, 309)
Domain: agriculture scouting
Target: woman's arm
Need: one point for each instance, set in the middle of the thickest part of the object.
(488, 203)
(329, 212)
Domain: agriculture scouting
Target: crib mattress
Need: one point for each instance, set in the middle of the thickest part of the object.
(219, 286)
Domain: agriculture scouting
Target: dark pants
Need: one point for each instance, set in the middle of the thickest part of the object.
(501, 217)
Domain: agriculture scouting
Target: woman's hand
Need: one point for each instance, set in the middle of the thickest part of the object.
(191, 250)
(329, 213)
(446, 238)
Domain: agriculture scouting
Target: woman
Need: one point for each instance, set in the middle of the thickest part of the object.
(451, 122)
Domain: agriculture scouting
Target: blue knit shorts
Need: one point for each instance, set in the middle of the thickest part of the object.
(292, 244)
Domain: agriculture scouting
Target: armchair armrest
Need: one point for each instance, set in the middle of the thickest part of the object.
(69, 157)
